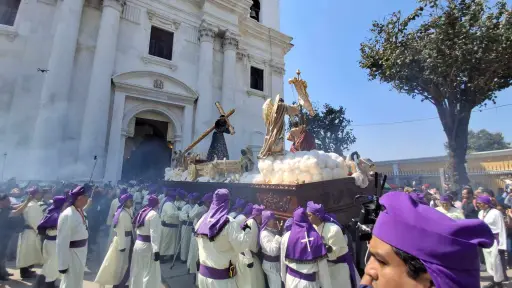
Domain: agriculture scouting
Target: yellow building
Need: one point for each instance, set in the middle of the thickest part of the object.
(487, 169)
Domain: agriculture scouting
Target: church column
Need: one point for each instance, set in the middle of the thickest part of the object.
(49, 127)
(188, 126)
(230, 45)
(115, 138)
(94, 128)
(204, 119)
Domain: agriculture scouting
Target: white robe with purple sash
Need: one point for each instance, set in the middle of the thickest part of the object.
(71, 227)
(250, 277)
(50, 268)
(170, 216)
(219, 253)
(29, 242)
(271, 246)
(186, 231)
(320, 268)
(144, 271)
(116, 262)
(193, 253)
(494, 219)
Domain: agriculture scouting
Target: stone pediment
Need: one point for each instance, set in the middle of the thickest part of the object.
(154, 85)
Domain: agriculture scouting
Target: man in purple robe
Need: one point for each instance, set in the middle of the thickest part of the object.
(415, 246)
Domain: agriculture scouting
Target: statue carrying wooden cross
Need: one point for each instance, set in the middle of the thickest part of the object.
(218, 147)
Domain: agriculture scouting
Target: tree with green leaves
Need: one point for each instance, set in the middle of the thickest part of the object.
(455, 54)
(331, 129)
(483, 140)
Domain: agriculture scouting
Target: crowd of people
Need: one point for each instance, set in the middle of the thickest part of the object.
(231, 243)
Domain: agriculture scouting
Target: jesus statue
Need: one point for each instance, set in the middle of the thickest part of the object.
(273, 114)
(218, 148)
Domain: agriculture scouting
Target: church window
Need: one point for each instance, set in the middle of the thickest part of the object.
(160, 43)
(256, 79)
(255, 10)
(8, 11)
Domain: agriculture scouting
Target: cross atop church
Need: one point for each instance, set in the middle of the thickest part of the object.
(307, 240)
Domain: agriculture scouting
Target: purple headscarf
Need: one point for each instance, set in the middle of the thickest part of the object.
(453, 262)
(181, 193)
(484, 199)
(123, 191)
(217, 216)
(239, 204)
(33, 191)
(248, 210)
(122, 200)
(304, 243)
(319, 211)
(256, 211)
(266, 217)
(193, 196)
(77, 192)
(288, 225)
(140, 218)
(208, 197)
(418, 197)
(51, 218)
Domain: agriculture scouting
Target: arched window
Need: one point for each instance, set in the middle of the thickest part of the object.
(8, 11)
(255, 10)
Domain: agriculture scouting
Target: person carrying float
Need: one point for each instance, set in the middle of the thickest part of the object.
(270, 242)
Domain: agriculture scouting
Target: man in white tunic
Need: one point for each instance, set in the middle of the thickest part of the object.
(187, 225)
(340, 261)
(446, 207)
(220, 241)
(271, 247)
(494, 219)
(303, 255)
(180, 195)
(249, 271)
(48, 228)
(145, 266)
(169, 214)
(29, 251)
(115, 269)
(197, 212)
(72, 235)
(237, 208)
(112, 211)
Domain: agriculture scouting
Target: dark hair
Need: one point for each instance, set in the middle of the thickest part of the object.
(4, 196)
(415, 268)
(295, 124)
(468, 189)
(488, 192)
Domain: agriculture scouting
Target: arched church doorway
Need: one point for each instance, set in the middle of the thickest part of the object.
(147, 153)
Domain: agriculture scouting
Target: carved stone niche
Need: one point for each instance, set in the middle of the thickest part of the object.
(158, 84)
(163, 21)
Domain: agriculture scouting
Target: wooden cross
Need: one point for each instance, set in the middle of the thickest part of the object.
(307, 240)
(221, 111)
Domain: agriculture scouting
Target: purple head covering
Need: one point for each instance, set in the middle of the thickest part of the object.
(266, 217)
(181, 193)
(153, 189)
(484, 199)
(256, 211)
(33, 191)
(217, 216)
(304, 243)
(445, 199)
(239, 204)
(193, 196)
(51, 218)
(208, 197)
(122, 192)
(412, 228)
(77, 192)
(247, 210)
(122, 200)
(319, 211)
(288, 225)
(418, 197)
(139, 219)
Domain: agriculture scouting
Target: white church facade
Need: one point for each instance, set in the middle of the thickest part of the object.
(86, 79)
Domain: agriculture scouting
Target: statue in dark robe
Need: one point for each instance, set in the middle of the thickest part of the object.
(302, 139)
(218, 147)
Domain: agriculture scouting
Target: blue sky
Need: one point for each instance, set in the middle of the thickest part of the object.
(326, 36)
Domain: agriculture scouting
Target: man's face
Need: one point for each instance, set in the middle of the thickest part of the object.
(388, 271)
(128, 204)
(313, 219)
(38, 196)
(81, 201)
(465, 194)
(446, 206)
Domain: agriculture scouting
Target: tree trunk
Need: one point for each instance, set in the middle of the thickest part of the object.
(456, 125)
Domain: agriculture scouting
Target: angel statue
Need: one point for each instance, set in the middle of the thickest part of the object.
(273, 115)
